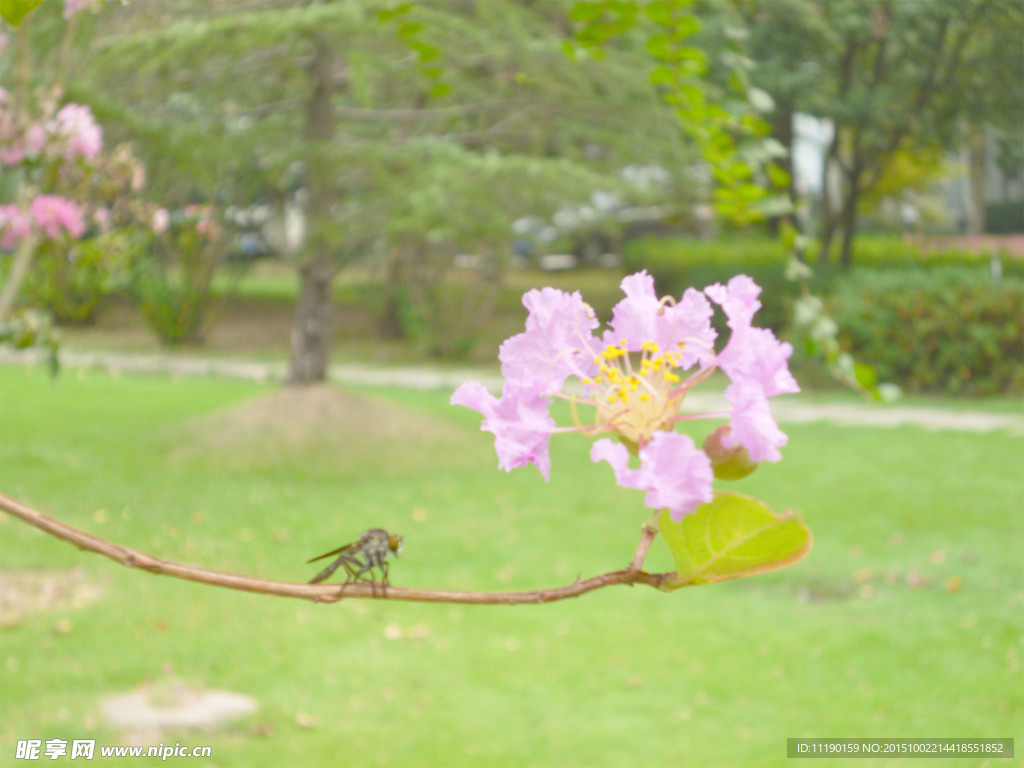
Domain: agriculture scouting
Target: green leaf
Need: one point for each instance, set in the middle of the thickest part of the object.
(778, 177)
(866, 376)
(585, 10)
(731, 537)
(13, 11)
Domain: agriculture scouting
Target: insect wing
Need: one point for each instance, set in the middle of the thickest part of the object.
(338, 551)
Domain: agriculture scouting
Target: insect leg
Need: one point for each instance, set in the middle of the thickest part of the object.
(344, 559)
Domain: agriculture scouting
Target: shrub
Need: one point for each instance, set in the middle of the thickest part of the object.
(172, 280)
(677, 263)
(1004, 218)
(943, 330)
(70, 279)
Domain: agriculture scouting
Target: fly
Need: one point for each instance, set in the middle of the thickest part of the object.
(360, 557)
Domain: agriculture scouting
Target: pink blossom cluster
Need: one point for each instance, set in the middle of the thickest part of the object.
(76, 124)
(635, 375)
(74, 7)
(205, 220)
(51, 216)
(69, 134)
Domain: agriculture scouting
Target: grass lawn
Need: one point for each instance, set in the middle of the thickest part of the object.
(907, 618)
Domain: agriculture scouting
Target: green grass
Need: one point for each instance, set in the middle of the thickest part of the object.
(841, 644)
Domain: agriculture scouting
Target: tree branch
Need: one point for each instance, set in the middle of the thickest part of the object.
(19, 271)
(329, 593)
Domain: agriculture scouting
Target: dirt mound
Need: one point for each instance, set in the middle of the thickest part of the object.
(24, 592)
(321, 421)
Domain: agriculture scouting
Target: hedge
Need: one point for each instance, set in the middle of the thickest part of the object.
(935, 323)
(946, 330)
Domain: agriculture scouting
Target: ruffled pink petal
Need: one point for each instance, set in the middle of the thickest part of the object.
(557, 342)
(518, 419)
(617, 456)
(738, 300)
(634, 318)
(641, 317)
(672, 471)
(679, 475)
(755, 355)
(752, 424)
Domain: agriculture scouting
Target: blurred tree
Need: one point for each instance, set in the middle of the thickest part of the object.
(62, 194)
(404, 133)
(890, 75)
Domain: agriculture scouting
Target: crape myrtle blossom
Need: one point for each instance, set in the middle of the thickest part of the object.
(50, 215)
(14, 226)
(56, 215)
(635, 375)
(757, 364)
(76, 123)
(67, 134)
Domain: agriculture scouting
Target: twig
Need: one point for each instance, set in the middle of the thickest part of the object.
(327, 593)
(647, 533)
(19, 271)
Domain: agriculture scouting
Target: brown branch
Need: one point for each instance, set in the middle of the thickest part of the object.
(647, 533)
(328, 593)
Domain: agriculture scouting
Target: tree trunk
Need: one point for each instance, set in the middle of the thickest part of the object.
(782, 130)
(848, 218)
(311, 334)
(391, 325)
(976, 181)
(828, 232)
(19, 271)
(828, 219)
(311, 341)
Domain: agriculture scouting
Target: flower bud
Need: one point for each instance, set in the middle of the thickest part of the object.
(727, 462)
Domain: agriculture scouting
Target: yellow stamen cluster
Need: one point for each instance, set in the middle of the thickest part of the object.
(635, 402)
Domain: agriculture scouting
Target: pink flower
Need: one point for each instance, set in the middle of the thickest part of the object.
(555, 343)
(74, 7)
(519, 421)
(675, 475)
(752, 424)
(635, 376)
(757, 364)
(642, 317)
(35, 140)
(55, 215)
(752, 353)
(161, 220)
(11, 154)
(14, 226)
(85, 139)
(102, 218)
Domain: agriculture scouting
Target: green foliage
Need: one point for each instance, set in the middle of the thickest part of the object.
(731, 537)
(894, 78)
(172, 278)
(714, 101)
(13, 11)
(446, 319)
(32, 328)
(1004, 218)
(169, 79)
(944, 330)
(70, 279)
